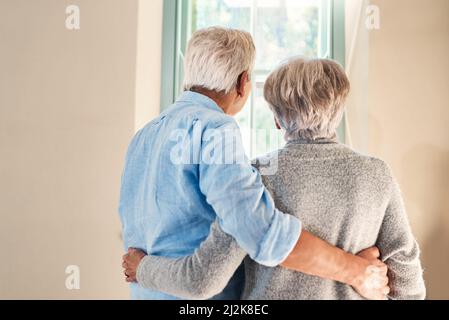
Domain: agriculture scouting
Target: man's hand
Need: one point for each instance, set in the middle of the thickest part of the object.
(130, 263)
(373, 283)
(364, 272)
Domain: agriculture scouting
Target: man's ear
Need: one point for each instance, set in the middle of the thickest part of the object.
(241, 83)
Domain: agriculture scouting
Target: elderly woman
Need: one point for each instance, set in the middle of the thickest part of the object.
(350, 200)
(346, 198)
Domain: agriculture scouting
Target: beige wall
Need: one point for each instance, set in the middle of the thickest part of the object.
(399, 111)
(148, 64)
(68, 108)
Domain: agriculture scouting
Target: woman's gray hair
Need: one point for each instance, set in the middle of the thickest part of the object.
(307, 97)
(216, 57)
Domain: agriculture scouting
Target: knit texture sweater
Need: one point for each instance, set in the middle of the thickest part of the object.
(348, 199)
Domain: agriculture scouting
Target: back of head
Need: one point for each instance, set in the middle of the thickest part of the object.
(307, 97)
(216, 57)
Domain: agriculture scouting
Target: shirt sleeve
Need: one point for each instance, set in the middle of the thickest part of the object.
(244, 207)
(400, 251)
(201, 275)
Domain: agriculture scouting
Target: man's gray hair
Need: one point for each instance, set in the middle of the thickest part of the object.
(216, 57)
(307, 97)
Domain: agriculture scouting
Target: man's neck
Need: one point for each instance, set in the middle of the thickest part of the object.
(224, 101)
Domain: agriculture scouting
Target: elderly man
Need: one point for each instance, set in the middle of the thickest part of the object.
(177, 180)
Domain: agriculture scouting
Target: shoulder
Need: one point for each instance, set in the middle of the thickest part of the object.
(374, 163)
(217, 120)
(207, 118)
(267, 164)
(374, 167)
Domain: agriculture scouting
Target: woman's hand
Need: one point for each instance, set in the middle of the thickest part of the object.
(130, 263)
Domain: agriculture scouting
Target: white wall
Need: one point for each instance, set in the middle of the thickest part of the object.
(357, 67)
(68, 108)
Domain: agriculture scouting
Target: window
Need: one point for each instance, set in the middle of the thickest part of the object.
(280, 28)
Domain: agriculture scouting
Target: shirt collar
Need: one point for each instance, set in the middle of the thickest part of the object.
(199, 99)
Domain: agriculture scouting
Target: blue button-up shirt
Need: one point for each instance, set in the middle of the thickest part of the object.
(177, 180)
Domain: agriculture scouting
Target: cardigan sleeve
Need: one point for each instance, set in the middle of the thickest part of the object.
(201, 275)
(400, 251)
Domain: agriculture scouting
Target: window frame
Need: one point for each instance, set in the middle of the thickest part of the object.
(176, 30)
